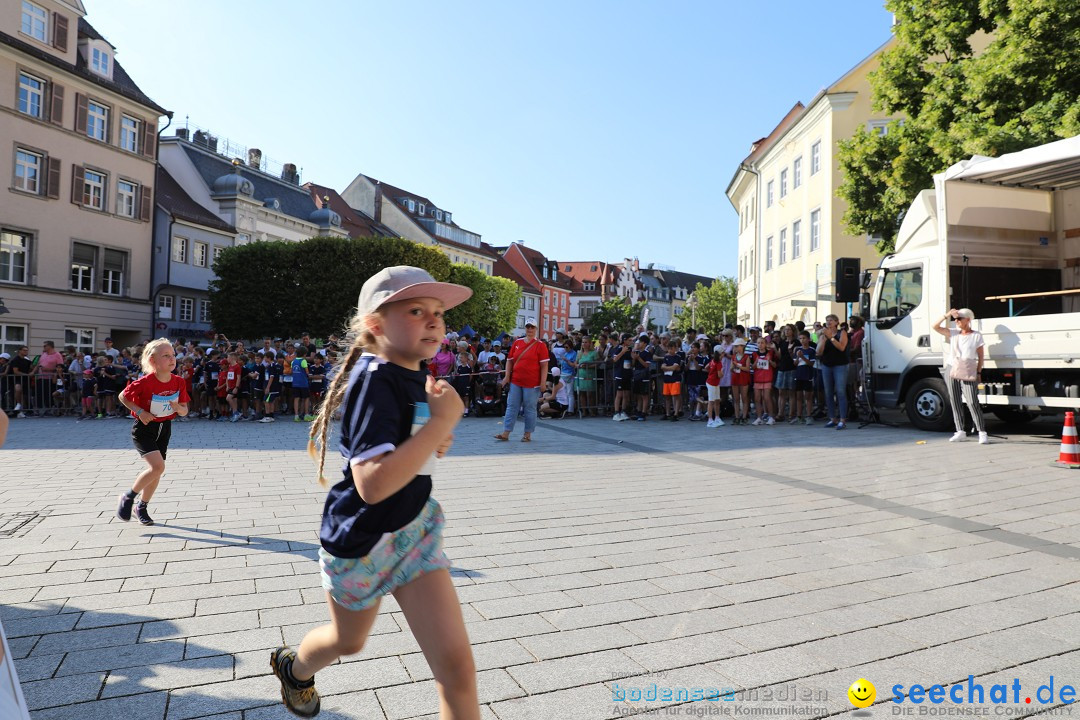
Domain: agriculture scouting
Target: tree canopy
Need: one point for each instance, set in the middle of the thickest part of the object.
(493, 306)
(970, 77)
(715, 305)
(618, 313)
(284, 288)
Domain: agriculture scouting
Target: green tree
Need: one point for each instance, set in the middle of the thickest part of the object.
(1022, 89)
(493, 306)
(618, 313)
(715, 304)
(284, 288)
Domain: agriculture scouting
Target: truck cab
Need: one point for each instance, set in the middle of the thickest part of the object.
(1000, 236)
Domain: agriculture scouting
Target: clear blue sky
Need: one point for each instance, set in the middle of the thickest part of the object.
(587, 129)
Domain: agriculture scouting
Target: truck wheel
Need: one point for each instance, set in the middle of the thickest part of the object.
(927, 405)
(1014, 416)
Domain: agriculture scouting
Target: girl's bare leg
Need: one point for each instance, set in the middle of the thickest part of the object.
(345, 635)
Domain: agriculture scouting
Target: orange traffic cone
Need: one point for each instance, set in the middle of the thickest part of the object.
(1070, 449)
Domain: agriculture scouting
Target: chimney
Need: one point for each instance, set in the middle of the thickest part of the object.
(255, 158)
(376, 214)
(182, 133)
(288, 173)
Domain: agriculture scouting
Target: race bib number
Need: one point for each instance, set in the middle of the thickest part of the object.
(626, 364)
(162, 405)
(762, 364)
(232, 375)
(421, 415)
(213, 376)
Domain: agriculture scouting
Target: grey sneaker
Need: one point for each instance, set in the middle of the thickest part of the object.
(300, 700)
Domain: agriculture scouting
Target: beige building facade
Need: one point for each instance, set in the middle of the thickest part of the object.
(78, 156)
(791, 228)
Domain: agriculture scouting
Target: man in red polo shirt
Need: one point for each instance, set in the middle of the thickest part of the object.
(526, 370)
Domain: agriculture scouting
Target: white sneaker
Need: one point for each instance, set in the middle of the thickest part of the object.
(617, 417)
(711, 424)
(18, 407)
(770, 421)
(719, 423)
(757, 421)
(984, 439)
(958, 436)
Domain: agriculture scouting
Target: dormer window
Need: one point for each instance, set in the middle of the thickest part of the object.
(422, 209)
(100, 63)
(412, 206)
(448, 218)
(34, 21)
(438, 215)
(554, 273)
(545, 271)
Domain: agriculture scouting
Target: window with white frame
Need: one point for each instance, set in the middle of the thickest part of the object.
(165, 307)
(520, 321)
(199, 253)
(179, 249)
(522, 302)
(438, 215)
(783, 183)
(129, 133)
(112, 271)
(768, 253)
(589, 286)
(14, 248)
(31, 95)
(546, 297)
(97, 120)
(83, 258)
(28, 167)
(422, 209)
(412, 206)
(815, 230)
(769, 194)
(796, 239)
(545, 322)
(35, 21)
(12, 337)
(532, 303)
(125, 198)
(218, 249)
(564, 302)
(204, 311)
(187, 309)
(796, 173)
(815, 158)
(93, 190)
(99, 62)
(881, 127)
(243, 239)
(81, 338)
(783, 246)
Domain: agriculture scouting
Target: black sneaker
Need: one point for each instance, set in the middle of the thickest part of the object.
(142, 514)
(123, 510)
(300, 699)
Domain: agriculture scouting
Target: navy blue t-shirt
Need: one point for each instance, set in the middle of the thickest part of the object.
(317, 377)
(676, 375)
(623, 367)
(384, 405)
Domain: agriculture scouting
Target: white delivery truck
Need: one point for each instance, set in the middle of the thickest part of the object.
(1000, 236)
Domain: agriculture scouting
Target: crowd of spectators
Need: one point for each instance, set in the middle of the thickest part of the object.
(751, 376)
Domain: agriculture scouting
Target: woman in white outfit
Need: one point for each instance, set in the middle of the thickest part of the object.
(963, 370)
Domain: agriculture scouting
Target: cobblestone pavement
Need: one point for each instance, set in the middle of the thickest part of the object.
(601, 559)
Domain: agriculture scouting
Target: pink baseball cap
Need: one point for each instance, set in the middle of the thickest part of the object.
(403, 282)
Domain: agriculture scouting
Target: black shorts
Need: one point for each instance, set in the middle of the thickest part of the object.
(301, 392)
(641, 387)
(622, 383)
(153, 437)
(556, 406)
(804, 385)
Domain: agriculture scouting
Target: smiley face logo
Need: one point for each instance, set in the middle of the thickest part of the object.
(862, 693)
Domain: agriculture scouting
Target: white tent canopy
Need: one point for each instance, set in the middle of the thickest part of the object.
(1054, 166)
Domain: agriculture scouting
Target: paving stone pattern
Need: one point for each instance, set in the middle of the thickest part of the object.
(598, 558)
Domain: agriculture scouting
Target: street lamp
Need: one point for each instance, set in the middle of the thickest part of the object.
(691, 302)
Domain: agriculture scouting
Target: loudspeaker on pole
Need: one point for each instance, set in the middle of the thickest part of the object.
(847, 279)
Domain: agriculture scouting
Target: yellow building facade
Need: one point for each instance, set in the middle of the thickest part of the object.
(791, 227)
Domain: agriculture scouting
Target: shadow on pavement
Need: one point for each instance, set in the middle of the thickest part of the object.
(76, 664)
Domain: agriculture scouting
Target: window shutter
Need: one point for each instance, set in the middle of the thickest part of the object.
(81, 109)
(78, 180)
(114, 260)
(146, 196)
(83, 254)
(52, 186)
(56, 104)
(60, 32)
(149, 137)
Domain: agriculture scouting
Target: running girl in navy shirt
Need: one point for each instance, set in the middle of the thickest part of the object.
(154, 400)
(381, 529)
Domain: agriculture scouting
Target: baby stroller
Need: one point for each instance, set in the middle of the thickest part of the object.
(490, 396)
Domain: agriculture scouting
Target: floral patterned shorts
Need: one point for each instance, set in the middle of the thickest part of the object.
(397, 559)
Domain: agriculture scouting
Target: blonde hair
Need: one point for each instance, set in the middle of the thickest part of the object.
(360, 339)
(151, 347)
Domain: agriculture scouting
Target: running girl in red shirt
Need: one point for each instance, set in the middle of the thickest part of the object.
(154, 400)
